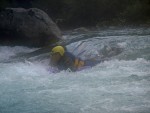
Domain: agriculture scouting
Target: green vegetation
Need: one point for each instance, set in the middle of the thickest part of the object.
(76, 13)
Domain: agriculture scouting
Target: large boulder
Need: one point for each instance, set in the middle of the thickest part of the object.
(29, 27)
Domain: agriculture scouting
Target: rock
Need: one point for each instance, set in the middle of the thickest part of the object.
(29, 27)
(81, 30)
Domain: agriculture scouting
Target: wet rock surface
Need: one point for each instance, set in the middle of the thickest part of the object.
(29, 27)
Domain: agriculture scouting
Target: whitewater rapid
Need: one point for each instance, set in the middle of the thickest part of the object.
(118, 85)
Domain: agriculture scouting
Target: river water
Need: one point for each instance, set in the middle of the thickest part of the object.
(120, 84)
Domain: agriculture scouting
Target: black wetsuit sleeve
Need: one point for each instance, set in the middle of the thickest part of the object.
(67, 62)
(70, 64)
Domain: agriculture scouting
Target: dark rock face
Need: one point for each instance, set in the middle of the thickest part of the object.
(29, 27)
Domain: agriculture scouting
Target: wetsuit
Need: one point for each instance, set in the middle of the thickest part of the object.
(74, 63)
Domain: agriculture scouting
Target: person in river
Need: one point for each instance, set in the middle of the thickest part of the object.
(63, 60)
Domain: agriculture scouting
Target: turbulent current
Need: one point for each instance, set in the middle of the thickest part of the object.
(118, 84)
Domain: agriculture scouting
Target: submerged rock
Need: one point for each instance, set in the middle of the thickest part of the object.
(81, 30)
(30, 27)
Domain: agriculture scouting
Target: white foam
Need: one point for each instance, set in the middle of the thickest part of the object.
(6, 51)
(103, 87)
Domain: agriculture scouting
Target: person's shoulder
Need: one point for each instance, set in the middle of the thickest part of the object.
(69, 54)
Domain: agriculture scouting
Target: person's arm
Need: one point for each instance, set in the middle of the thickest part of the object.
(70, 64)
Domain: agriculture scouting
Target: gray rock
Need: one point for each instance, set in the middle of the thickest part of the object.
(31, 27)
(81, 30)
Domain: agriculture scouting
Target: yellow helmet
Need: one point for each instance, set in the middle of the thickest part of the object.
(59, 49)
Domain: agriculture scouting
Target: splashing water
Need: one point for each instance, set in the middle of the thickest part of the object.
(118, 85)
